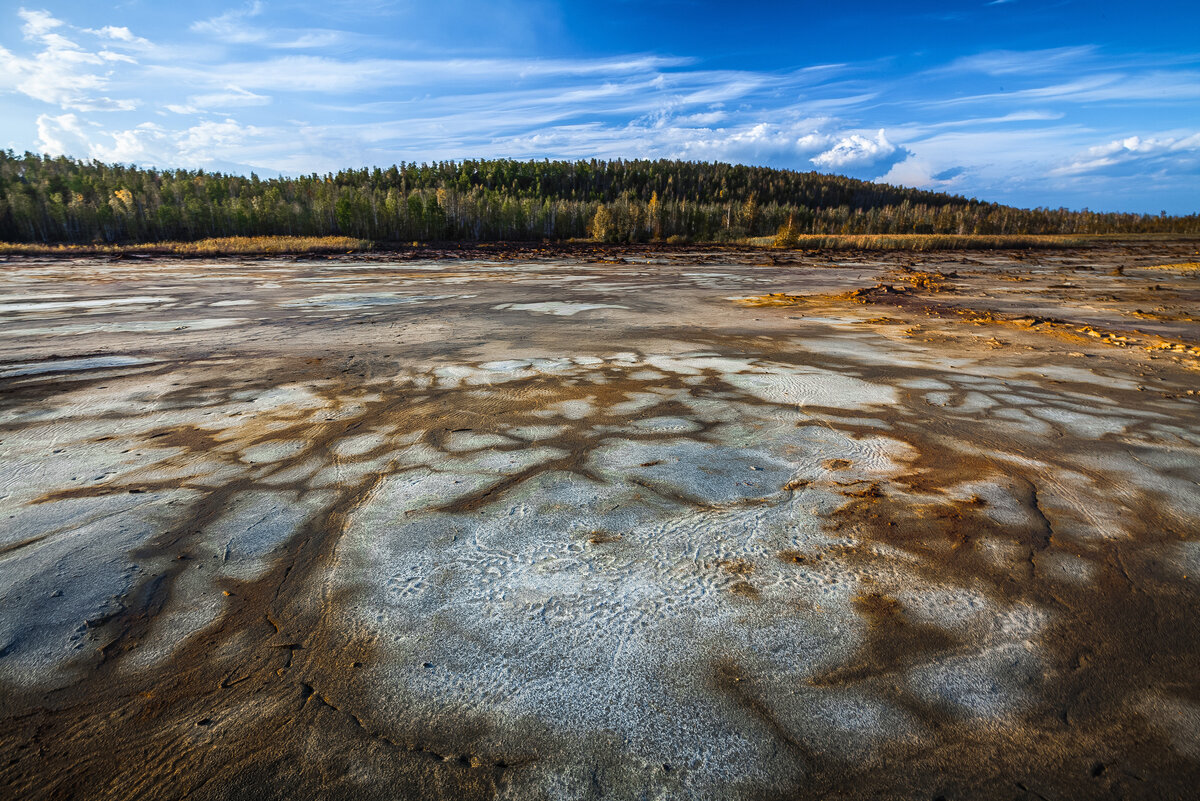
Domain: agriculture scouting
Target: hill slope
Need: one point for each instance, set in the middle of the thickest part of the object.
(46, 199)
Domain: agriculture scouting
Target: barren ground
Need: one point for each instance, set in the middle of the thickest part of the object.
(615, 524)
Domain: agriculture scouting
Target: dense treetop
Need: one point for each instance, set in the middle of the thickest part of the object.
(46, 199)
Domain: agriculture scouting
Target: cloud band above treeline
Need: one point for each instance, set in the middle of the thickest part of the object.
(234, 92)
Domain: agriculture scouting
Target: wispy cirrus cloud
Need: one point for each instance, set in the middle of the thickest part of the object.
(237, 26)
(230, 97)
(325, 75)
(1022, 62)
(1153, 86)
(61, 71)
(233, 25)
(259, 87)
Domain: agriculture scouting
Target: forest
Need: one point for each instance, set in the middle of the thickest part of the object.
(64, 200)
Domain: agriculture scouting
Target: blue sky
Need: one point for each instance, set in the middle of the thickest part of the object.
(1066, 103)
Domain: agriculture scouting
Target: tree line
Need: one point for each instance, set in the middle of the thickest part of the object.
(65, 200)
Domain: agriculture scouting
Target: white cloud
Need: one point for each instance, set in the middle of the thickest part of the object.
(37, 23)
(59, 76)
(704, 118)
(129, 146)
(61, 136)
(232, 96)
(235, 27)
(209, 144)
(113, 32)
(812, 142)
(336, 76)
(856, 150)
(1021, 62)
(216, 141)
(119, 37)
(1129, 150)
(994, 157)
(911, 172)
(109, 55)
(62, 73)
(232, 25)
(1150, 86)
(302, 112)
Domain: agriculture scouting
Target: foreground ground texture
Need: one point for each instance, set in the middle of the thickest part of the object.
(642, 524)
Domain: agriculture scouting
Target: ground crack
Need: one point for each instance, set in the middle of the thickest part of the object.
(308, 693)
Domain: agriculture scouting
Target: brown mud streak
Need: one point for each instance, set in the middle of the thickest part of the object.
(910, 290)
(733, 682)
(204, 723)
(893, 643)
(1118, 637)
(1128, 630)
(581, 438)
(185, 727)
(1115, 639)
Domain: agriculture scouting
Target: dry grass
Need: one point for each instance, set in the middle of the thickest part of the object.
(919, 242)
(228, 245)
(773, 299)
(1187, 266)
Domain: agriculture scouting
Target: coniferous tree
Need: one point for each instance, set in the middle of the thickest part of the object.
(54, 200)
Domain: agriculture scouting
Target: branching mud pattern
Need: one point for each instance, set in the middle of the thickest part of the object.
(666, 525)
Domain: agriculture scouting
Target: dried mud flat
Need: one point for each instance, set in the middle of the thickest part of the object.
(640, 524)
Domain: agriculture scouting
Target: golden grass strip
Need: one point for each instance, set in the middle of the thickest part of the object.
(922, 242)
(1187, 266)
(220, 246)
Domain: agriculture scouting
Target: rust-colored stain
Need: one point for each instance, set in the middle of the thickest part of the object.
(976, 583)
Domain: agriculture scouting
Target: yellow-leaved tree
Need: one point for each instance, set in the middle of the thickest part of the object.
(603, 228)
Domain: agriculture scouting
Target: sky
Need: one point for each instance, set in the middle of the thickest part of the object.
(1053, 103)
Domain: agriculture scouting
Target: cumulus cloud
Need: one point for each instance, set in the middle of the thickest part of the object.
(213, 144)
(814, 142)
(741, 138)
(857, 152)
(921, 173)
(747, 140)
(217, 140)
(1181, 152)
(62, 135)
